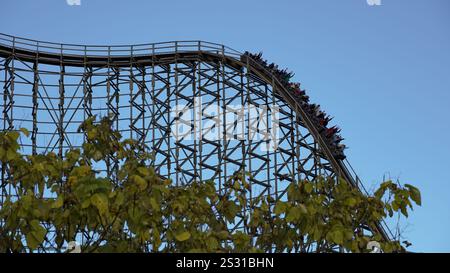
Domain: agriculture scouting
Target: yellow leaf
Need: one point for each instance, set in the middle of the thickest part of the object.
(25, 131)
(183, 236)
(143, 171)
(141, 183)
(59, 202)
(100, 201)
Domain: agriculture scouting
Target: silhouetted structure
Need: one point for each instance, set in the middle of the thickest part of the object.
(51, 88)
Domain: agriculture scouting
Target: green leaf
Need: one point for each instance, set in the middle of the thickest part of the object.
(303, 208)
(59, 202)
(395, 205)
(404, 211)
(154, 204)
(337, 237)
(230, 211)
(36, 236)
(120, 199)
(183, 236)
(308, 187)
(97, 155)
(236, 185)
(86, 203)
(11, 154)
(141, 183)
(32, 242)
(156, 239)
(41, 187)
(350, 201)
(212, 243)
(293, 214)
(316, 234)
(35, 225)
(143, 171)
(100, 201)
(280, 207)
(13, 135)
(415, 194)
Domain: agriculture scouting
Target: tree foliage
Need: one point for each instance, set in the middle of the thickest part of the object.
(52, 201)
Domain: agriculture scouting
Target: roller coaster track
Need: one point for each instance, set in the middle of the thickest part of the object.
(140, 55)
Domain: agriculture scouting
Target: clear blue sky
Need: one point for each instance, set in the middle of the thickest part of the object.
(382, 71)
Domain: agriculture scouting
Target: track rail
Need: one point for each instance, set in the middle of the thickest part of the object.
(159, 53)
